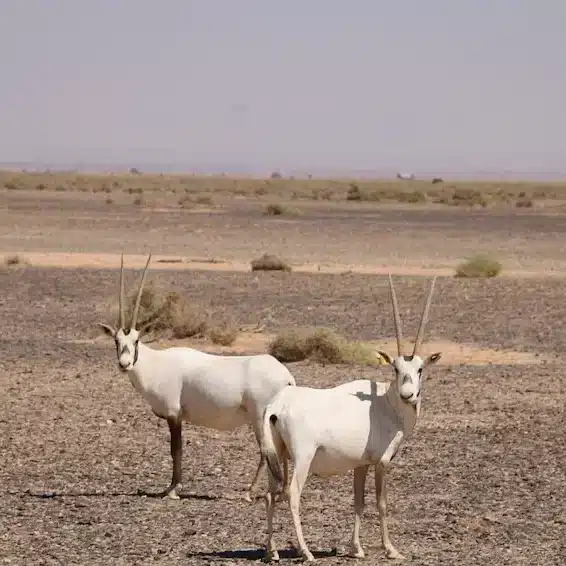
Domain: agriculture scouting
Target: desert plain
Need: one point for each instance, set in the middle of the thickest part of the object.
(82, 458)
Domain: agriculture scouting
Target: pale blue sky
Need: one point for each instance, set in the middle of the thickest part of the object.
(411, 85)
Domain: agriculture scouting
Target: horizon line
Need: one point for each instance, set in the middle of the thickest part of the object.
(183, 168)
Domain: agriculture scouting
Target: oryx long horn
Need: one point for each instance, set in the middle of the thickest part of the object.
(424, 318)
(138, 298)
(397, 318)
(121, 297)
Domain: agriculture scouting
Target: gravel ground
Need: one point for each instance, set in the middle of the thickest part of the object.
(482, 481)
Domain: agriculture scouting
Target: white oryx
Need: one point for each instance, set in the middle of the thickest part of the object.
(353, 426)
(183, 384)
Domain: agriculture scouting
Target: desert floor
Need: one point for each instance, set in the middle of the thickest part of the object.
(82, 458)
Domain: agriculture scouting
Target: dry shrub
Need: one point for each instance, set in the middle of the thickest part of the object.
(413, 197)
(320, 194)
(275, 210)
(186, 202)
(321, 345)
(524, 202)
(355, 193)
(225, 334)
(479, 266)
(468, 197)
(270, 262)
(15, 261)
(205, 200)
(169, 313)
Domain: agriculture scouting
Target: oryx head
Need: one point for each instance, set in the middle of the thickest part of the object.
(127, 337)
(409, 369)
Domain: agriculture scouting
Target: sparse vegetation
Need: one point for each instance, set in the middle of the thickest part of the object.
(203, 189)
(479, 266)
(270, 262)
(321, 345)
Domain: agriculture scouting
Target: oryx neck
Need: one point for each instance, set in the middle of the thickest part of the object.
(139, 371)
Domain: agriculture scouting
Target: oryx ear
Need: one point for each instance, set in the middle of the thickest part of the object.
(386, 357)
(108, 330)
(432, 359)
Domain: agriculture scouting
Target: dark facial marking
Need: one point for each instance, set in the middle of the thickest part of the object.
(136, 352)
(408, 358)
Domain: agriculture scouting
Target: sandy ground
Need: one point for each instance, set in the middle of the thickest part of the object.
(331, 237)
(482, 481)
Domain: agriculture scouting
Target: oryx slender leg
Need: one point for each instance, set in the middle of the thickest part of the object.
(176, 432)
(360, 474)
(256, 426)
(381, 498)
(260, 469)
(298, 480)
(270, 502)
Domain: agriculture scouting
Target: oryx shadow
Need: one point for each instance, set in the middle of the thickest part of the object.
(47, 494)
(256, 554)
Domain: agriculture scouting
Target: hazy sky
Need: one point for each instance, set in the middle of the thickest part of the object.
(304, 84)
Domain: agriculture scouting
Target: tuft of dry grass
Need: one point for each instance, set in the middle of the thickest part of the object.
(321, 345)
(479, 266)
(270, 262)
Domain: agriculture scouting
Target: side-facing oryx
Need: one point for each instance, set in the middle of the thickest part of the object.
(183, 384)
(353, 426)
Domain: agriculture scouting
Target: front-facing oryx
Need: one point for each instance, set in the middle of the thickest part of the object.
(352, 426)
(184, 384)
